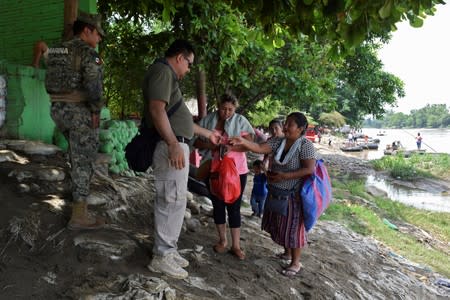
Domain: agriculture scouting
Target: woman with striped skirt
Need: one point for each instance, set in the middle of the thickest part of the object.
(293, 159)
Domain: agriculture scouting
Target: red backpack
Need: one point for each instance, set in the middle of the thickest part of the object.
(224, 180)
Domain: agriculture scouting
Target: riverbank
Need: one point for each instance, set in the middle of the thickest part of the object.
(412, 230)
(39, 258)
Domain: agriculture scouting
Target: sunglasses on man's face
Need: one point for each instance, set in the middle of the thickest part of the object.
(189, 62)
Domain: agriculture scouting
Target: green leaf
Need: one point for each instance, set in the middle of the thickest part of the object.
(278, 43)
(416, 22)
(385, 10)
(166, 15)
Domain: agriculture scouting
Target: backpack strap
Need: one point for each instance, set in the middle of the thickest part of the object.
(170, 112)
(174, 108)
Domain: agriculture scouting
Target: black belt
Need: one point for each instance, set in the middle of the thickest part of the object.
(182, 139)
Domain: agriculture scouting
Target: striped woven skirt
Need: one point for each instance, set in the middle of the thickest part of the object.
(287, 231)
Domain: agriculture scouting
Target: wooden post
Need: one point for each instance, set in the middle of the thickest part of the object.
(201, 94)
(70, 15)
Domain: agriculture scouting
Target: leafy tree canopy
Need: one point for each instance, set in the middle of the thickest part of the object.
(346, 23)
(430, 116)
(271, 54)
(363, 87)
(332, 119)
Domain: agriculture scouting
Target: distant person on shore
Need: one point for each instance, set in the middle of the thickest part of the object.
(350, 139)
(418, 141)
(394, 146)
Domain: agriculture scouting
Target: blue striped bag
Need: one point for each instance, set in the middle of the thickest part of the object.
(316, 194)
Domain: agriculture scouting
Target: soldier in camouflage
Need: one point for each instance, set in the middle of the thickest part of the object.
(74, 82)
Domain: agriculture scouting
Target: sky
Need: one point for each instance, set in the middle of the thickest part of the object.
(420, 57)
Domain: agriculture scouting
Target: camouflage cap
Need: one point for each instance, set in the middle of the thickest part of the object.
(94, 20)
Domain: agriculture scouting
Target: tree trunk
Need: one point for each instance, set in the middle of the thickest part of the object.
(201, 94)
(70, 15)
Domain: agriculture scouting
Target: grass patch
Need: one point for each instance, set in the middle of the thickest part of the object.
(436, 164)
(368, 220)
(426, 165)
(398, 167)
(346, 214)
(435, 223)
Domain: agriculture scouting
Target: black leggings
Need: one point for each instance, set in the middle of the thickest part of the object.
(234, 210)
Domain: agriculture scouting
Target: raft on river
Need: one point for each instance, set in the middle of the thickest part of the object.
(354, 148)
(370, 146)
(404, 153)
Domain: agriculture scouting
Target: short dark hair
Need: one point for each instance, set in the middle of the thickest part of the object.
(276, 122)
(230, 98)
(300, 119)
(257, 163)
(179, 47)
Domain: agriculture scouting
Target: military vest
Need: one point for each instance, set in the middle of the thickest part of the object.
(63, 68)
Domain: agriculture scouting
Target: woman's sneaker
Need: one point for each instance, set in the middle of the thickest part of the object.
(181, 261)
(167, 265)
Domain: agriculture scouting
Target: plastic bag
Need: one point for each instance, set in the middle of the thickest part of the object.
(316, 194)
(224, 180)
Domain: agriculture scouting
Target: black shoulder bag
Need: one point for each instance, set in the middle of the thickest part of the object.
(139, 152)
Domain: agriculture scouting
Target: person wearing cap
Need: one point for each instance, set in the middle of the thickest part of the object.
(74, 81)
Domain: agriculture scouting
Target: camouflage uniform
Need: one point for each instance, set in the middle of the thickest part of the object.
(74, 82)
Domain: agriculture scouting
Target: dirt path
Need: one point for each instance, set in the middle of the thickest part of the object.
(40, 259)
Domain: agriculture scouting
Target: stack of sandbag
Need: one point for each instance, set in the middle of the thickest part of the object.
(114, 137)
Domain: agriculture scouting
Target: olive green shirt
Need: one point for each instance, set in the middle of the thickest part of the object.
(161, 83)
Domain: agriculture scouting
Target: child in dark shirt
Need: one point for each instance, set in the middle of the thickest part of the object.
(259, 190)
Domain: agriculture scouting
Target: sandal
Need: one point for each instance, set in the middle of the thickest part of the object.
(237, 253)
(289, 272)
(219, 248)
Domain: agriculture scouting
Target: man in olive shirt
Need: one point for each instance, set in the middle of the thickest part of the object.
(171, 157)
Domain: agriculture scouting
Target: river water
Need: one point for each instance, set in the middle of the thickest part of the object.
(434, 140)
(439, 201)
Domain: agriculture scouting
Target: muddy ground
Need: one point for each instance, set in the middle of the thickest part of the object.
(40, 259)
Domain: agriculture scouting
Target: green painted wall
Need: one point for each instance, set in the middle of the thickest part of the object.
(27, 104)
(22, 24)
